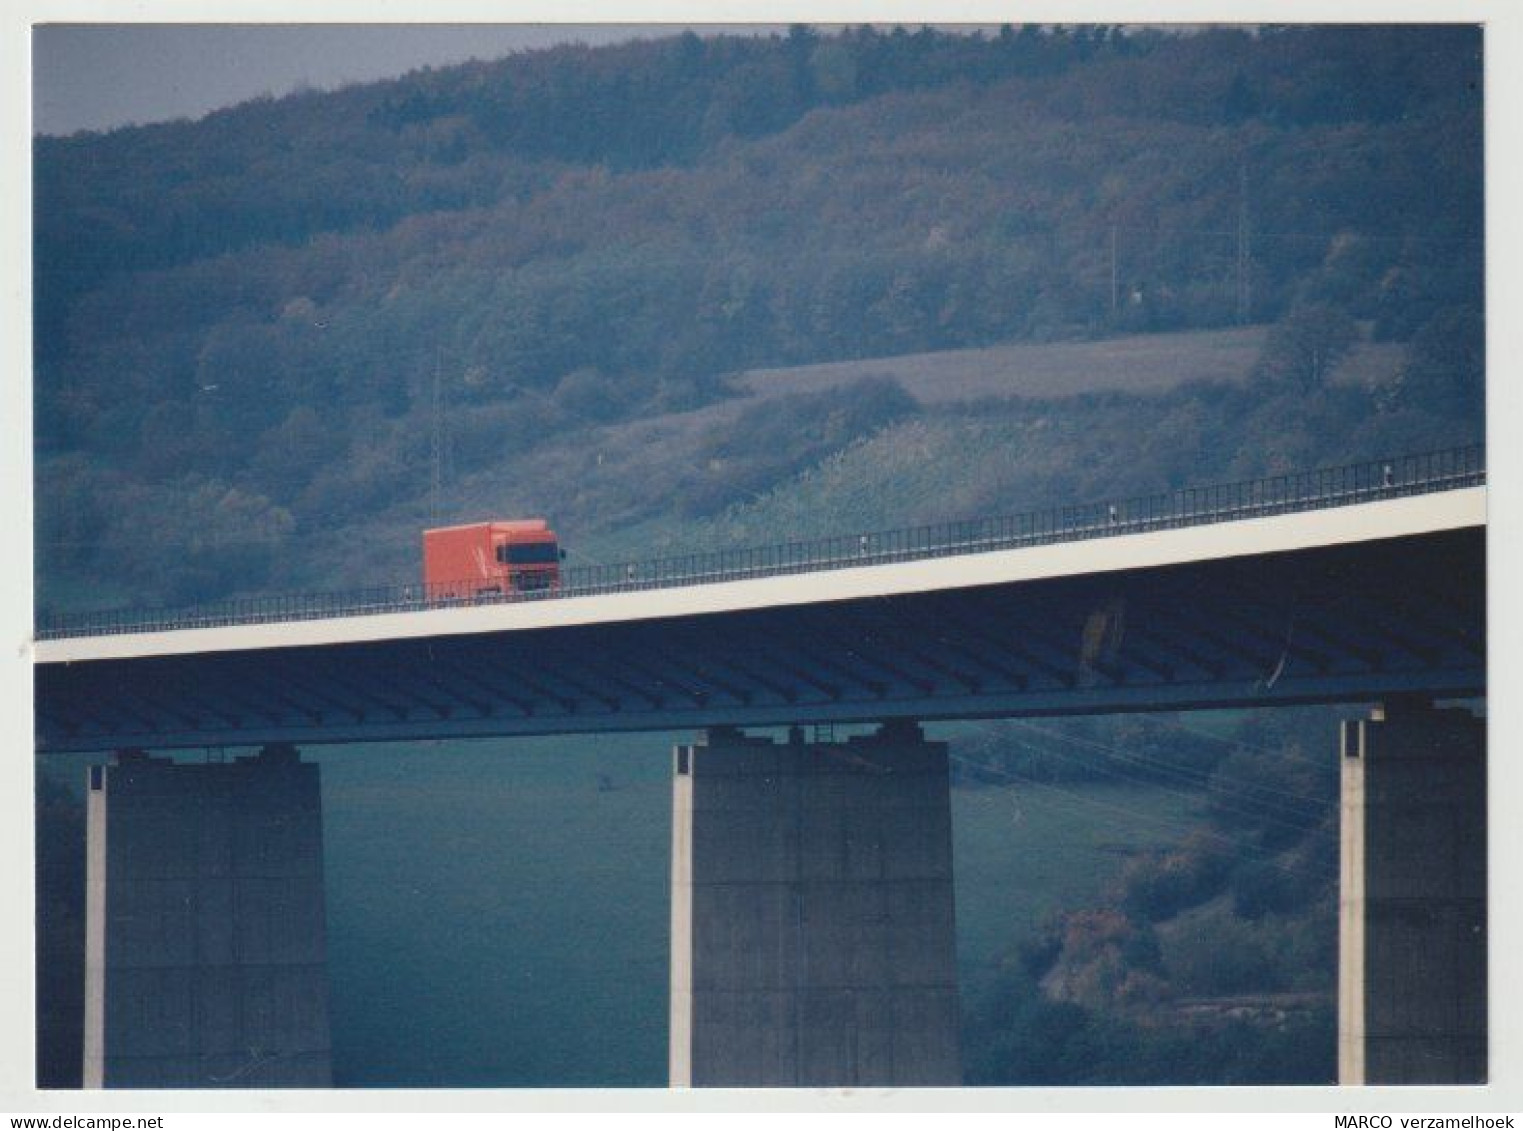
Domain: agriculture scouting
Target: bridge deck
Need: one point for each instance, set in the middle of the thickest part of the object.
(1347, 604)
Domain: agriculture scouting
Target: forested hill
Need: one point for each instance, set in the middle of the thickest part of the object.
(249, 326)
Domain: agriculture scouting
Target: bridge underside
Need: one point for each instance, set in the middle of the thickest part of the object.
(1343, 623)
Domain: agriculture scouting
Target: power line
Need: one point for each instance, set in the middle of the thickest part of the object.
(1242, 807)
(1239, 744)
(436, 446)
(1240, 846)
(1295, 799)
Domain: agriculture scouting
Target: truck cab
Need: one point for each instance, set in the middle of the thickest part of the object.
(490, 559)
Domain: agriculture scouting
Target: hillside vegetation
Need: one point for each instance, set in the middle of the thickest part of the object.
(248, 325)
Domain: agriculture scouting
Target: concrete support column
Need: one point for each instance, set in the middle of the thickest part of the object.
(205, 946)
(1412, 931)
(813, 940)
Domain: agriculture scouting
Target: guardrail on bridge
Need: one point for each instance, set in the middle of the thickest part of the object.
(1191, 506)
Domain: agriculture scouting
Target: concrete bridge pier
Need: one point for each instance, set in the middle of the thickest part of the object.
(205, 945)
(1412, 931)
(813, 939)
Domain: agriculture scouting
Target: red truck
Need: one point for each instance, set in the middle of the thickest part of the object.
(490, 559)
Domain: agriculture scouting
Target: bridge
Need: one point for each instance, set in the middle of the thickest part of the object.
(804, 872)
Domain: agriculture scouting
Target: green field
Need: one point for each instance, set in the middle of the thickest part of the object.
(495, 918)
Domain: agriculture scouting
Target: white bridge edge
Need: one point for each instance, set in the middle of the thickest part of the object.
(1362, 522)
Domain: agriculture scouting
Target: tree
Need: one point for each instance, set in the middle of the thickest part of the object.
(289, 454)
(1304, 348)
(1445, 370)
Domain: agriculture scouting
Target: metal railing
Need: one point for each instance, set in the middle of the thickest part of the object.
(1191, 506)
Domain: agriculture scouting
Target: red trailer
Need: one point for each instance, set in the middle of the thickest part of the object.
(490, 559)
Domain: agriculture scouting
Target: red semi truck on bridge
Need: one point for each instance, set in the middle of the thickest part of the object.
(482, 559)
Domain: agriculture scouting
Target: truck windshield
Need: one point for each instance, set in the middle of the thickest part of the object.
(529, 553)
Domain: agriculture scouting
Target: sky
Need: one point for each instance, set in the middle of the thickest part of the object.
(95, 77)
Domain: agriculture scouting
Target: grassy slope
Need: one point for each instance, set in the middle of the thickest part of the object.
(919, 471)
(1135, 363)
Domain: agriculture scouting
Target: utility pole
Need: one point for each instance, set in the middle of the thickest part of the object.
(1113, 272)
(436, 446)
(1244, 249)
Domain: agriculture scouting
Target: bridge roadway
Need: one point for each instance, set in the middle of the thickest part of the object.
(1344, 603)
